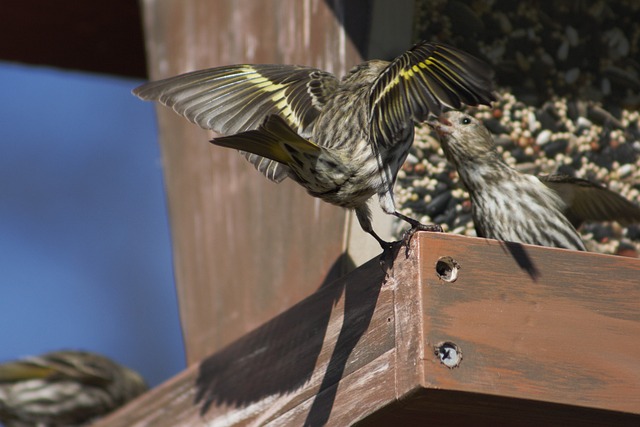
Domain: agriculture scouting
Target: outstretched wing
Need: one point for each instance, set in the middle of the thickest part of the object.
(238, 98)
(423, 81)
(587, 201)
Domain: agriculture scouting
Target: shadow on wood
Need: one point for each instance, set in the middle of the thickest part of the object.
(558, 347)
(521, 258)
(245, 249)
(280, 356)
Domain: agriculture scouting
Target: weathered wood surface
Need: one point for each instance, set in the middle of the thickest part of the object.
(548, 337)
(245, 249)
(558, 326)
(288, 369)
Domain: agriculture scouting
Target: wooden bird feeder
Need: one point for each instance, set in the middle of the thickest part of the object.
(524, 335)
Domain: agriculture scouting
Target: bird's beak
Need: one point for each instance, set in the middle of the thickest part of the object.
(442, 126)
(443, 120)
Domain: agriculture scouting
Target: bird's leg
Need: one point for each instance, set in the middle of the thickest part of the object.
(364, 218)
(383, 243)
(388, 205)
(389, 249)
(389, 252)
(415, 226)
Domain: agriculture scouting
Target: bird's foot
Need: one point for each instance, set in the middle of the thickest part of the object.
(417, 226)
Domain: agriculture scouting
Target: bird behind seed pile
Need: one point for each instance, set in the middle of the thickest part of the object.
(512, 206)
(64, 388)
(342, 140)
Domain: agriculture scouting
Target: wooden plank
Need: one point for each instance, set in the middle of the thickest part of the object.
(308, 348)
(548, 337)
(408, 306)
(534, 323)
(354, 398)
(294, 361)
(245, 249)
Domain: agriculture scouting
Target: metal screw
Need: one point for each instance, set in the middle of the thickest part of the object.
(449, 354)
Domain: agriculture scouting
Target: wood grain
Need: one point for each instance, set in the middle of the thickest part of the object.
(245, 249)
(296, 360)
(554, 347)
(536, 323)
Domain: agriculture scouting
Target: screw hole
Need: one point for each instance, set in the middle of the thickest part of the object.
(447, 269)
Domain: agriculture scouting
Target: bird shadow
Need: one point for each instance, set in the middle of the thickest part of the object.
(522, 258)
(281, 356)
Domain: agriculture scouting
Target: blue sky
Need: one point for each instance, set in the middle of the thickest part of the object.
(85, 256)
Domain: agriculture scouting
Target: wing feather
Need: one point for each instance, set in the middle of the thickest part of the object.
(424, 81)
(587, 201)
(238, 98)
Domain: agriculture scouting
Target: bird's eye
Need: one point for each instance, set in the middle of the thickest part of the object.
(465, 120)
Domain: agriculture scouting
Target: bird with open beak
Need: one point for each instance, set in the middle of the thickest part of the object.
(511, 206)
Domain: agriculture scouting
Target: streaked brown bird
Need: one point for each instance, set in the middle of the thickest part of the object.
(342, 140)
(515, 207)
(64, 388)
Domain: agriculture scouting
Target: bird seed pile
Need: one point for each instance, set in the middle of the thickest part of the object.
(569, 79)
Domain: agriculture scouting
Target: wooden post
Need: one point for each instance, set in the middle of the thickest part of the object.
(547, 337)
(246, 249)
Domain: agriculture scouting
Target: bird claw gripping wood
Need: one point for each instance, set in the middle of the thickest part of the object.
(415, 227)
(391, 249)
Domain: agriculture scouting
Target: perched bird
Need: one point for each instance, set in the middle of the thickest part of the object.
(64, 388)
(342, 140)
(511, 206)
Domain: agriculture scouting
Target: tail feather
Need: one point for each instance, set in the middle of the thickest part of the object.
(273, 139)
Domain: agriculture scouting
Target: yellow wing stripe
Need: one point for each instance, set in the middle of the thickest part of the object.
(407, 74)
(287, 112)
(20, 371)
(410, 73)
(279, 98)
